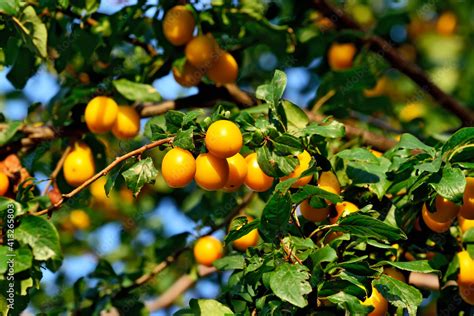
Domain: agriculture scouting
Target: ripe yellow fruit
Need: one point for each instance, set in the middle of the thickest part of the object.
(178, 167)
(377, 154)
(342, 208)
(101, 113)
(237, 172)
(202, 51)
(412, 111)
(211, 172)
(438, 227)
(313, 214)
(379, 303)
(189, 76)
(178, 25)
(329, 179)
(79, 165)
(207, 250)
(224, 70)
(466, 277)
(127, 124)
(249, 240)
(304, 159)
(394, 273)
(223, 139)
(467, 209)
(446, 24)
(341, 56)
(445, 210)
(98, 191)
(465, 224)
(4, 184)
(256, 179)
(379, 88)
(79, 219)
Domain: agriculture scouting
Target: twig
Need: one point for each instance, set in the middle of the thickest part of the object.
(386, 50)
(321, 228)
(374, 121)
(323, 100)
(290, 254)
(57, 169)
(103, 172)
(374, 140)
(162, 265)
(178, 288)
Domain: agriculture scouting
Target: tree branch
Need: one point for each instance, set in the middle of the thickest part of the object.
(386, 50)
(162, 265)
(178, 288)
(102, 173)
(57, 169)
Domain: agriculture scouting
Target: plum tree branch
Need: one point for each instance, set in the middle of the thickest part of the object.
(387, 51)
(103, 172)
(178, 288)
(170, 259)
(57, 169)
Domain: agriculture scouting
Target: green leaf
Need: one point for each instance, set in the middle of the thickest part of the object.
(399, 293)
(334, 129)
(184, 139)
(302, 247)
(451, 184)
(138, 92)
(33, 31)
(311, 190)
(368, 227)
(41, 236)
(9, 7)
(23, 68)
(324, 254)
(174, 121)
(358, 154)
(22, 259)
(296, 118)
(7, 204)
(421, 266)
(139, 174)
(290, 283)
(209, 307)
(461, 137)
(349, 303)
(287, 144)
(273, 91)
(266, 161)
(408, 141)
(275, 216)
(7, 133)
(236, 262)
(237, 230)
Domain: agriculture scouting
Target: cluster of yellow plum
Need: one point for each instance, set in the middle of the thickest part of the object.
(203, 54)
(102, 115)
(207, 249)
(442, 216)
(222, 167)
